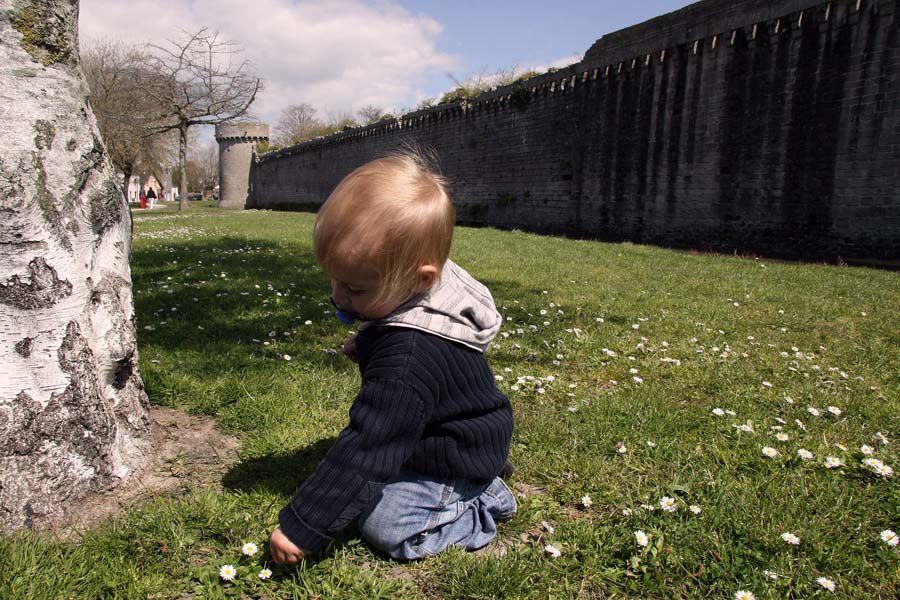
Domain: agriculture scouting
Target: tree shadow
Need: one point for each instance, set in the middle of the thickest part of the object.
(269, 289)
(277, 473)
(229, 310)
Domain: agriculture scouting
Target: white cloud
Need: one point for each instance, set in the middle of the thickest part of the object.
(337, 55)
(559, 63)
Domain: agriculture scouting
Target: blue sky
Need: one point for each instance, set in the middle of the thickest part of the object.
(340, 55)
(504, 34)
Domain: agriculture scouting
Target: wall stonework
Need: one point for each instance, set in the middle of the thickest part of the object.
(237, 143)
(753, 126)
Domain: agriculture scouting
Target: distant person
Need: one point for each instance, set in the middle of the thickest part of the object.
(143, 199)
(151, 196)
(419, 464)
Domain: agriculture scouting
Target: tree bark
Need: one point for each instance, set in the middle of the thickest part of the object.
(183, 203)
(73, 412)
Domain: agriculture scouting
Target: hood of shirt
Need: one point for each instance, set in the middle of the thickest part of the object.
(458, 308)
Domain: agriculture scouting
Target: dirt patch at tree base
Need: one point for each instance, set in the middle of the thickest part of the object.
(189, 453)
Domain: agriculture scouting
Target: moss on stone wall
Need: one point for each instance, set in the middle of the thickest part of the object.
(44, 33)
(45, 132)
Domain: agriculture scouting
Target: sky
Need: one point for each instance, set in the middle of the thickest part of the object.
(340, 55)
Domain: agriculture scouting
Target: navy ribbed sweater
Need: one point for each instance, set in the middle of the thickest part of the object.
(427, 404)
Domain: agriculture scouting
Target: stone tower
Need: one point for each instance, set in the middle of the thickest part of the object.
(237, 145)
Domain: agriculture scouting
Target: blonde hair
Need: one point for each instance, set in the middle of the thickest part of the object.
(393, 215)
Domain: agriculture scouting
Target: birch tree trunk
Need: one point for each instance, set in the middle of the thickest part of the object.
(73, 412)
(183, 203)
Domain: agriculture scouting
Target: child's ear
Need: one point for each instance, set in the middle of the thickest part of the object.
(428, 275)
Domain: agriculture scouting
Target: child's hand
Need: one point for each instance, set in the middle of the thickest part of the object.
(349, 348)
(283, 550)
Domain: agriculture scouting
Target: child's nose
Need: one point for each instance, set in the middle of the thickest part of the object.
(337, 292)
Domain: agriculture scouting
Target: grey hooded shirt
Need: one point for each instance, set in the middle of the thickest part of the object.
(458, 308)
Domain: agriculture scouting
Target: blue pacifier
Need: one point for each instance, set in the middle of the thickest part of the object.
(347, 318)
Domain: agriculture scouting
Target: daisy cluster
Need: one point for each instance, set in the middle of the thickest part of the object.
(171, 233)
(787, 440)
(228, 573)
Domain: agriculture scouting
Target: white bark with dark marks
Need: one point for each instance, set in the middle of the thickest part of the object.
(73, 411)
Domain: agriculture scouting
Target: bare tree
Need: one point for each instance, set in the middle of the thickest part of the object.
(300, 122)
(340, 120)
(122, 109)
(74, 417)
(195, 80)
(203, 166)
(297, 123)
(371, 114)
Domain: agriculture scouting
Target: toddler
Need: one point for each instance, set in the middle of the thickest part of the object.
(418, 465)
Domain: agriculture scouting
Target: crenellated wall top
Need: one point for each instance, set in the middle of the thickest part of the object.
(699, 20)
(251, 132)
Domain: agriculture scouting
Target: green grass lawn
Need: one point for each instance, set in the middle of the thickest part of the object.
(616, 358)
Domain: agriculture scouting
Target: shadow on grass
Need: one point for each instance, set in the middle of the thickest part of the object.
(283, 474)
(280, 474)
(218, 317)
(198, 326)
(231, 310)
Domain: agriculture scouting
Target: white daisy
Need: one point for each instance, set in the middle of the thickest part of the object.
(867, 450)
(834, 410)
(880, 437)
(718, 412)
(552, 550)
(766, 384)
(668, 504)
(620, 448)
(547, 527)
(265, 574)
(249, 549)
(832, 462)
(627, 512)
(782, 437)
(769, 452)
(227, 572)
(826, 583)
(872, 463)
(586, 501)
(744, 595)
(889, 537)
(641, 538)
(770, 574)
(790, 538)
(805, 454)
(813, 411)
(695, 509)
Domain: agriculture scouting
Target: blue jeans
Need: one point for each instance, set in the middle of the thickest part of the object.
(416, 516)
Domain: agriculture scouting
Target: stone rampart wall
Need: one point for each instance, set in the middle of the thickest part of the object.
(751, 126)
